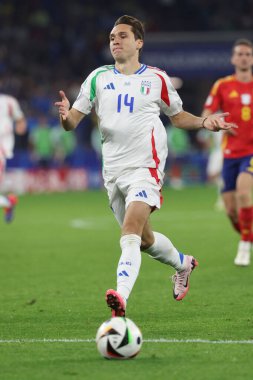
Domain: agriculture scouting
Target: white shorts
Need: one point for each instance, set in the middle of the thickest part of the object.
(141, 184)
(214, 164)
(2, 166)
(215, 160)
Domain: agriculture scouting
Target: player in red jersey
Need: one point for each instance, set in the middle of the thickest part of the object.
(234, 94)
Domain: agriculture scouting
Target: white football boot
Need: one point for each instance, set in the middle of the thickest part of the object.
(243, 254)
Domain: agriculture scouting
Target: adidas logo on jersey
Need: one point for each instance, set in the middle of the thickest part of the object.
(142, 194)
(109, 86)
(123, 273)
(233, 94)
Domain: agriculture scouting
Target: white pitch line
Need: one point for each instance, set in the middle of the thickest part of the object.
(161, 340)
(47, 340)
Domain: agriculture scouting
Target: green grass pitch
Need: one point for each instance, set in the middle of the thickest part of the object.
(59, 257)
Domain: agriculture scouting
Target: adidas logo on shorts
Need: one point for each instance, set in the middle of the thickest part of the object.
(142, 194)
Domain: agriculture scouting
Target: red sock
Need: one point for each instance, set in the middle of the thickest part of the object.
(246, 221)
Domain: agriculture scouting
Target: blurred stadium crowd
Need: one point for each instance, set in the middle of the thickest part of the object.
(49, 45)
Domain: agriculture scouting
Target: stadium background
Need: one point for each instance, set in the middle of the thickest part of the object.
(58, 256)
(48, 45)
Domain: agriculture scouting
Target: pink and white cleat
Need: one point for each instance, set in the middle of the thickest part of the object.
(181, 279)
(116, 303)
(9, 211)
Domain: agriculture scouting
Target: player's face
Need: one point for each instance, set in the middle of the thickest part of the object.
(123, 44)
(242, 57)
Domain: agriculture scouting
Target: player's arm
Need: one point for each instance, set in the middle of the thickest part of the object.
(17, 116)
(20, 126)
(70, 118)
(214, 122)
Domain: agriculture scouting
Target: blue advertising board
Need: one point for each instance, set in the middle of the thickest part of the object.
(189, 59)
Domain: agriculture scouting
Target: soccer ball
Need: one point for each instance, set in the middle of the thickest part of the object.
(119, 338)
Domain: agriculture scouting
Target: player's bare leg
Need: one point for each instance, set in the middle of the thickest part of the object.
(245, 217)
(229, 199)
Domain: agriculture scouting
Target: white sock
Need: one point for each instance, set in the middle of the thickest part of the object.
(165, 252)
(129, 264)
(4, 201)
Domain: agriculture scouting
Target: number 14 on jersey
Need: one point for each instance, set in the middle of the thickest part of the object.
(125, 100)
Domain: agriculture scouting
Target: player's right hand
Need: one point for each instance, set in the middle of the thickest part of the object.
(63, 105)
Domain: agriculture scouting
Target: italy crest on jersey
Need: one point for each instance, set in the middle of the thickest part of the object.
(145, 87)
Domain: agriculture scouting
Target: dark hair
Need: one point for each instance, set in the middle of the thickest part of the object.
(137, 25)
(243, 41)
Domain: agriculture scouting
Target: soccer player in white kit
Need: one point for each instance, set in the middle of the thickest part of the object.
(128, 97)
(11, 118)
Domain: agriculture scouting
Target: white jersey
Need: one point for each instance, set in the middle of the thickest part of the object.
(128, 109)
(9, 112)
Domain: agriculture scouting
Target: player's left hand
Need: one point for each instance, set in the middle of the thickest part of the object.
(216, 122)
